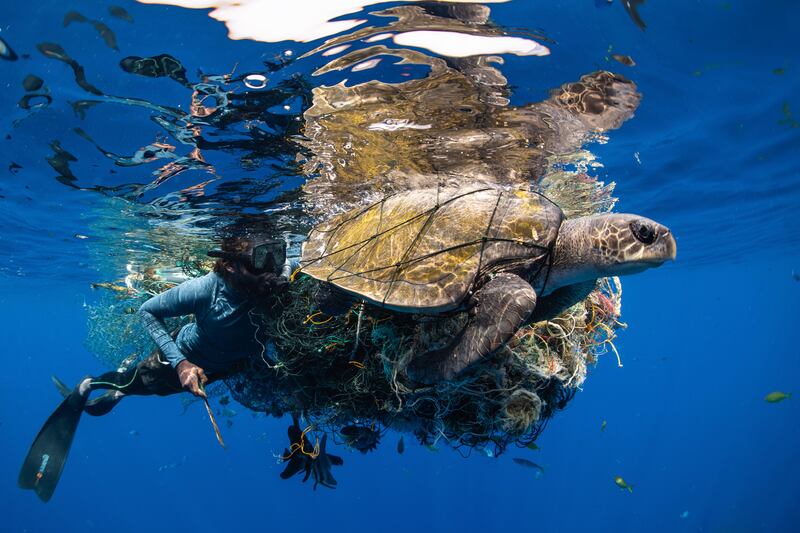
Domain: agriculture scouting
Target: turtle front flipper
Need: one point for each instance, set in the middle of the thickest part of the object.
(503, 305)
(561, 299)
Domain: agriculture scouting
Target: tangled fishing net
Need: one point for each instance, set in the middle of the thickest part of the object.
(349, 370)
(115, 334)
(352, 369)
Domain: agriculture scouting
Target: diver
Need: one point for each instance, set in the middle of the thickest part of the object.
(220, 339)
(216, 345)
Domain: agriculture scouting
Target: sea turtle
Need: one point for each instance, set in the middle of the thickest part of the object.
(508, 256)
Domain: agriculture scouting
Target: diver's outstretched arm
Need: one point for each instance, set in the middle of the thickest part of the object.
(191, 297)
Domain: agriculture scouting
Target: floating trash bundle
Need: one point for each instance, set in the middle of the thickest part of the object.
(349, 370)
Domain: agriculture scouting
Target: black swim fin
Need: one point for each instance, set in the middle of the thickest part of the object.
(42, 467)
(102, 405)
(61, 386)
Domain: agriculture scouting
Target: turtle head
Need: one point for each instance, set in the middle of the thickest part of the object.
(613, 244)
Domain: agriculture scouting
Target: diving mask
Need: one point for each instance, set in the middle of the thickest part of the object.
(265, 256)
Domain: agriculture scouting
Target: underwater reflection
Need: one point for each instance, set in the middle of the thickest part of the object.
(420, 122)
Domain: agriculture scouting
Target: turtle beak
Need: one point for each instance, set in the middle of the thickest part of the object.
(671, 247)
(662, 250)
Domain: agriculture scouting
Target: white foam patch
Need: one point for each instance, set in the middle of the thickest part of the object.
(396, 124)
(271, 21)
(456, 44)
(366, 65)
(378, 37)
(335, 50)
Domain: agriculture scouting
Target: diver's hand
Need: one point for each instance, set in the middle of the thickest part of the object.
(192, 378)
(280, 285)
(274, 284)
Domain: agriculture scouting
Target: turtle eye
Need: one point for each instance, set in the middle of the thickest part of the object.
(644, 233)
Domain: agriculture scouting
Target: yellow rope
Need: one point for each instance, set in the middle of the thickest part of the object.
(310, 318)
(300, 447)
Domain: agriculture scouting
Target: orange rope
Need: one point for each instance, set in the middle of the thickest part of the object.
(300, 447)
(310, 318)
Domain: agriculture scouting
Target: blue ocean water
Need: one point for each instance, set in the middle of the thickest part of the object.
(711, 152)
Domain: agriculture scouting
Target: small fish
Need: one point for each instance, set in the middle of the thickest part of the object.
(225, 400)
(777, 396)
(120, 13)
(229, 423)
(79, 236)
(787, 113)
(133, 433)
(779, 71)
(684, 514)
(14, 168)
(227, 411)
(532, 446)
(621, 484)
(625, 60)
(109, 286)
(32, 83)
(432, 448)
(130, 310)
(401, 446)
(528, 464)
(6, 52)
(795, 276)
(603, 426)
(603, 3)
(786, 110)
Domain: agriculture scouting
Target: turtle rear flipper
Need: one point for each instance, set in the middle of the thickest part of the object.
(504, 304)
(331, 301)
(601, 100)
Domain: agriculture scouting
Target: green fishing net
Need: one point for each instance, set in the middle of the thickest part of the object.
(350, 369)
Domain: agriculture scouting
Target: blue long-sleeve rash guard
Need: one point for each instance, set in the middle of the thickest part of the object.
(222, 332)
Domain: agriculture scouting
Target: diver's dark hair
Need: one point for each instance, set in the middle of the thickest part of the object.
(237, 245)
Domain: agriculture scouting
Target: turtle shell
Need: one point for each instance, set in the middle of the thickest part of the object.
(425, 250)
